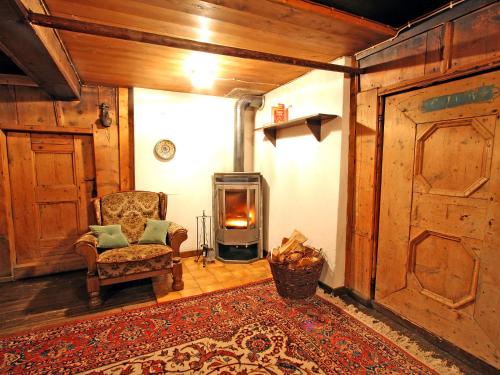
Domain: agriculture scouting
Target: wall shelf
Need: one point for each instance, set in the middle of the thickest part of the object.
(313, 122)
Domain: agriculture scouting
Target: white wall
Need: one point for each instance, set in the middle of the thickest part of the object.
(308, 179)
(201, 128)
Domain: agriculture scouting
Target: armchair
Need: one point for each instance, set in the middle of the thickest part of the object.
(131, 209)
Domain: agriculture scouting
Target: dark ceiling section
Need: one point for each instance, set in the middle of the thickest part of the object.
(394, 13)
(7, 66)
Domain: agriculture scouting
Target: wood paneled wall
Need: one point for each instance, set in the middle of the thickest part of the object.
(466, 43)
(462, 41)
(6, 225)
(29, 109)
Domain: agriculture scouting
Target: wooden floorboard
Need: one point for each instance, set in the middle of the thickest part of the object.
(59, 298)
(55, 298)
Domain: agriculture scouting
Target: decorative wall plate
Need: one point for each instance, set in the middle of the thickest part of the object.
(164, 149)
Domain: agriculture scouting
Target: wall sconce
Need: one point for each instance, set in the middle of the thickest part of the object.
(104, 115)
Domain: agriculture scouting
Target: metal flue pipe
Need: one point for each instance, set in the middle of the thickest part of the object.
(245, 102)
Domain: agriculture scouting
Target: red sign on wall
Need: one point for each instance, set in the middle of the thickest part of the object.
(280, 113)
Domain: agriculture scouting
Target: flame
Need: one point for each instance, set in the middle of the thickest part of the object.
(236, 223)
(238, 214)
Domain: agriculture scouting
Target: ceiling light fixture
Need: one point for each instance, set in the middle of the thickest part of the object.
(201, 68)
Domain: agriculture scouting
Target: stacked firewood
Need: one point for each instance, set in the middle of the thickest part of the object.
(294, 253)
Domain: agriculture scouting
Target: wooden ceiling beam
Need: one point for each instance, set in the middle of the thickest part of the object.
(37, 51)
(16, 80)
(108, 31)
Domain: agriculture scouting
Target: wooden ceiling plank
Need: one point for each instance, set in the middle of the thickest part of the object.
(338, 15)
(163, 58)
(37, 51)
(90, 71)
(230, 28)
(133, 64)
(151, 38)
(316, 18)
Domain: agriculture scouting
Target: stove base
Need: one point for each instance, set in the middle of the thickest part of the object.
(238, 253)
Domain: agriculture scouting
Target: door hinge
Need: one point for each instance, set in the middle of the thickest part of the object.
(380, 120)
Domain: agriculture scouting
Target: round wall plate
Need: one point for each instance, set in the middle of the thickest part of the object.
(164, 149)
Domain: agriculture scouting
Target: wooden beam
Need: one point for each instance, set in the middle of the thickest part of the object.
(125, 139)
(45, 129)
(6, 225)
(37, 51)
(106, 149)
(169, 41)
(447, 47)
(16, 80)
(453, 73)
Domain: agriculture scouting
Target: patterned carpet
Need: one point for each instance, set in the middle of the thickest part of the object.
(246, 330)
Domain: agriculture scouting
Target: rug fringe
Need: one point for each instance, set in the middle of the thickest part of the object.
(425, 356)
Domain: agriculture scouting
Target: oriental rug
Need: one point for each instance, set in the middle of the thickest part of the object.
(245, 330)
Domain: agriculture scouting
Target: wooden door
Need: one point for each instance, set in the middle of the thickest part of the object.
(50, 198)
(439, 239)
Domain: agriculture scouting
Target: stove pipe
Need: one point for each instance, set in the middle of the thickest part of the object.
(245, 102)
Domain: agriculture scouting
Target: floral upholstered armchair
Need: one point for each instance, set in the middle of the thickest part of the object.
(131, 210)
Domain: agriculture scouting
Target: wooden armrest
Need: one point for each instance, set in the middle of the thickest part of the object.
(87, 238)
(86, 246)
(176, 235)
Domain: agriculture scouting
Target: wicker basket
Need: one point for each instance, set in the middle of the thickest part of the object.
(296, 283)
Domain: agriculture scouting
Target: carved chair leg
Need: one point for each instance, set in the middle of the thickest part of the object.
(93, 289)
(178, 284)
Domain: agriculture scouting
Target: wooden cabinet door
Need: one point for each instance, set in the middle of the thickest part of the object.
(49, 200)
(439, 238)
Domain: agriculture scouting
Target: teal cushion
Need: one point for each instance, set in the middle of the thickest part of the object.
(109, 236)
(155, 232)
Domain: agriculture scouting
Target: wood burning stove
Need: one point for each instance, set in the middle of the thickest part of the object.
(237, 207)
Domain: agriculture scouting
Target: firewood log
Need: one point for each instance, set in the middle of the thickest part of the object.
(293, 257)
(293, 240)
(275, 254)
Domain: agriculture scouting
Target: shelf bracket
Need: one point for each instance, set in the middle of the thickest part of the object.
(271, 135)
(314, 125)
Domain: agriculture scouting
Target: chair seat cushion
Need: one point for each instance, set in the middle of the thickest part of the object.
(133, 259)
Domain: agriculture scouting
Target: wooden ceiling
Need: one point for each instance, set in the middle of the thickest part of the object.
(285, 27)
(395, 13)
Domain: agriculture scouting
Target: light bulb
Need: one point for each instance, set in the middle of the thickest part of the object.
(202, 69)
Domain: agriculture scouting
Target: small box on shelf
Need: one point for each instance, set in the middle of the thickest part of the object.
(280, 113)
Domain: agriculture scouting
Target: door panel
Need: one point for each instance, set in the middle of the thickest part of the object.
(438, 250)
(50, 200)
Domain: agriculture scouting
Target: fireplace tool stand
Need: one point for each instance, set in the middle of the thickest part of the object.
(204, 240)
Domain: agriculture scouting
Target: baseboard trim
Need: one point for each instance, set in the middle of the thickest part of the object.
(5, 279)
(193, 253)
(339, 291)
(189, 253)
(447, 346)
(358, 298)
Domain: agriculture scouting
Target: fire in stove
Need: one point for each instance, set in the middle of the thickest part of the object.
(238, 211)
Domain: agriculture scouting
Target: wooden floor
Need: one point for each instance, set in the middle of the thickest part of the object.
(39, 301)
